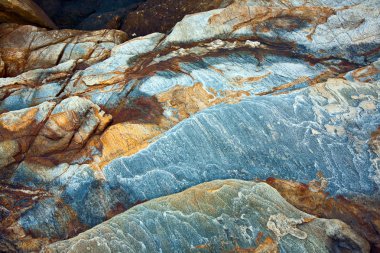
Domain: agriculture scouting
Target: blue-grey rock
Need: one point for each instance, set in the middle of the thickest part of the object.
(218, 216)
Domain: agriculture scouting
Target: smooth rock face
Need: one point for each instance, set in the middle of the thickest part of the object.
(23, 12)
(92, 125)
(228, 215)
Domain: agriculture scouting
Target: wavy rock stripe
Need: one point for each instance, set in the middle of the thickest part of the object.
(219, 216)
(289, 136)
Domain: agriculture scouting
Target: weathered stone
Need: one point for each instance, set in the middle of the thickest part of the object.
(18, 130)
(305, 29)
(218, 216)
(70, 125)
(360, 214)
(25, 48)
(258, 89)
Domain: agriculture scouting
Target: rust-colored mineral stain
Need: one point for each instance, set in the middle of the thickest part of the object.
(299, 80)
(22, 124)
(141, 120)
(272, 18)
(259, 237)
(241, 80)
(363, 216)
(365, 74)
(267, 246)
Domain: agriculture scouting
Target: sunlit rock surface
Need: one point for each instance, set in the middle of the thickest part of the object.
(92, 124)
(228, 215)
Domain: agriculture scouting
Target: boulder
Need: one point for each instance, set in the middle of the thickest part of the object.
(228, 215)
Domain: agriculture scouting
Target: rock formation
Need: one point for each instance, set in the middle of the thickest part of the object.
(94, 123)
(218, 216)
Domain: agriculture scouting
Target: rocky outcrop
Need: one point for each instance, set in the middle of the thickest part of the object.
(306, 29)
(42, 131)
(314, 114)
(18, 130)
(258, 89)
(23, 12)
(360, 214)
(24, 48)
(218, 216)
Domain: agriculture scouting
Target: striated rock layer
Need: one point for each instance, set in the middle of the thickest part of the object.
(226, 216)
(92, 124)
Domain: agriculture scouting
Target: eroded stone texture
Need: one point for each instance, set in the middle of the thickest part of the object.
(216, 216)
(50, 132)
(69, 127)
(360, 214)
(25, 48)
(306, 28)
(18, 130)
(212, 217)
(253, 91)
(318, 120)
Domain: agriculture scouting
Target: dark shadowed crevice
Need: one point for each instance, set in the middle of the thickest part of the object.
(135, 17)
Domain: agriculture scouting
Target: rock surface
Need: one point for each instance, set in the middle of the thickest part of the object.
(92, 124)
(23, 12)
(24, 48)
(218, 216)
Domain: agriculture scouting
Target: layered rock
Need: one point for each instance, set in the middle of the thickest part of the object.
(318, 121)
(255, 90)
(311, 198)
(218, 216)
(24, 48)
(43, 131)
(306, 28)
(18, 130)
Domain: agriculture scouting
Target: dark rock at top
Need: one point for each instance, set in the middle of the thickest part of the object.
(136, 17)
(86, 14)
